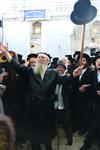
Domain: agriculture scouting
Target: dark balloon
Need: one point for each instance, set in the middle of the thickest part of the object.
(75, 19)
(83, 12)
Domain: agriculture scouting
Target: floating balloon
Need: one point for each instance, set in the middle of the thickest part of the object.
(83, 12)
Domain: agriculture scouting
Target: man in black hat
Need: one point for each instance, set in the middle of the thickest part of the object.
(54, 62)
(62, 104)
(94, 130)
(83, 96)
(31, 58)
(20, 60)
(40, 117)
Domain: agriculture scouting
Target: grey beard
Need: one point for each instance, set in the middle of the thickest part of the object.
(40, 69)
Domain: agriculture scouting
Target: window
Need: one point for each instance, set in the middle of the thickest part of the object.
(36, 28)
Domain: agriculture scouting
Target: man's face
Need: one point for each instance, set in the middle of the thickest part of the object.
(98, 63)
(68, 63)
(42, 59)
(32, 61)
(60, 69)
(65, 59)
(83, 62)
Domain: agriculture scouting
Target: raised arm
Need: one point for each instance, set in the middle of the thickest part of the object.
(12, 63)
(77, 72)
(5, 52)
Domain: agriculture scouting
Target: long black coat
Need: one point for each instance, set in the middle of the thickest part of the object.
(96, 119)
(39, 115)
(84, 100)
(94, 131)
(14, 98)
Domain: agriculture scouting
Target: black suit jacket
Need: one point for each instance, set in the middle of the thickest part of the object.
(96, 87)
(84, 100)
(40, 101)
(41, 89)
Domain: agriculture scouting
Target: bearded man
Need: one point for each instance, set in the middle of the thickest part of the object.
(41, 67)
(40, 117)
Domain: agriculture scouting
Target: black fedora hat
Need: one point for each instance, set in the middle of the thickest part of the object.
(84, 11)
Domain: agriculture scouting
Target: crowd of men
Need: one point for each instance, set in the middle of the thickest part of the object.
(46, 91)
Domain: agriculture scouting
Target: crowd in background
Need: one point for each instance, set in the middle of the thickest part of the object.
(74, 104)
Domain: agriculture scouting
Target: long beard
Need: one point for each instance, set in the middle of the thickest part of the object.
(40, 69)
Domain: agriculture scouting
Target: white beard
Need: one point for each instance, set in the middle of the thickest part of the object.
(40, 69)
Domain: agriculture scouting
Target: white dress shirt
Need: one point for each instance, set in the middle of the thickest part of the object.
(59, 104)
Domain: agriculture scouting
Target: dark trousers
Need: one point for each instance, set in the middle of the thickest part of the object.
(36, 146)
(64, 118)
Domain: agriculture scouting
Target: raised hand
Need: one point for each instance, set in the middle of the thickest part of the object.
(77, 71)
(3, 48)
(5, 52)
